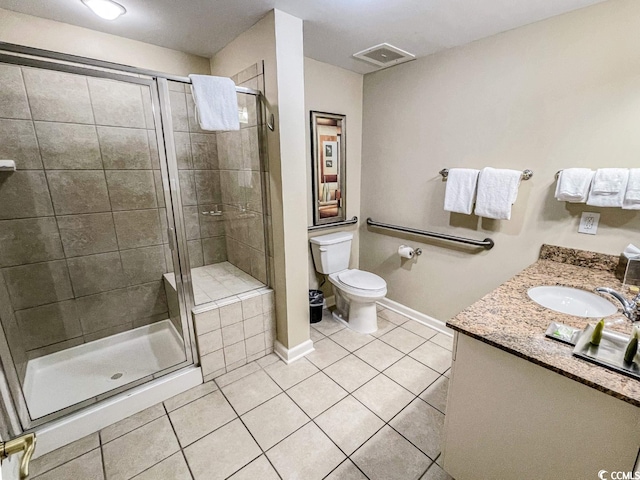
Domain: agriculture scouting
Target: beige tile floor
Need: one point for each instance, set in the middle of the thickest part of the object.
(358, 407)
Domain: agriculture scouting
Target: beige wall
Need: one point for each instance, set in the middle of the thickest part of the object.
(335, 90)
(61, 37)
(253, 46)
(277, 39)
(560, 93)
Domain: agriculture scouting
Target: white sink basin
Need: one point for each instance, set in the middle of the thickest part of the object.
(572, 301)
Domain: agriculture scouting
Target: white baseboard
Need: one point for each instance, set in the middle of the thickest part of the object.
(430, 322)
(289, 355)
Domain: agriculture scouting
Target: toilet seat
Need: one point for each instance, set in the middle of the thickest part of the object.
(357, 282)
(362, 280)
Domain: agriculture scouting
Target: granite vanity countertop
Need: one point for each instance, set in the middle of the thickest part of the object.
(508, 319)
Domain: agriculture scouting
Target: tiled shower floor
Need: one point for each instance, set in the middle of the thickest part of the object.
(359, 407)
(220, 280)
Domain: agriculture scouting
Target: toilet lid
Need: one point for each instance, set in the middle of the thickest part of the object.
(363, 280)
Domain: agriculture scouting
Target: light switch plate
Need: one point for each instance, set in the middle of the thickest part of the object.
(589, 223)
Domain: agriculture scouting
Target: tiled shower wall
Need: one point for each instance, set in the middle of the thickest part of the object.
(81, 221)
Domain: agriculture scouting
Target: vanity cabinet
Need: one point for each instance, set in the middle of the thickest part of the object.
(510, 418)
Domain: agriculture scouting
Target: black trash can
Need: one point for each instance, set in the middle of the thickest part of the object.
(316, 301)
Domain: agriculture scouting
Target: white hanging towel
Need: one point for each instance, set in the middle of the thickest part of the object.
(460, 192)
(632, 195)
(608, 187)
(497, 192)
(216, 102)
(573, 185)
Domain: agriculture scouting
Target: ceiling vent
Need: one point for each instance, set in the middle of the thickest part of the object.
(384, 55)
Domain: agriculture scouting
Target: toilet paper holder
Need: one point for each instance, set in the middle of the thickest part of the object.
(413, 252)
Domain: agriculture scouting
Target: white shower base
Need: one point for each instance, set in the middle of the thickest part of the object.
(85, 372)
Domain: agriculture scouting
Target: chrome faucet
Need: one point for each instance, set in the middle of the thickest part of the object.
(630, 308)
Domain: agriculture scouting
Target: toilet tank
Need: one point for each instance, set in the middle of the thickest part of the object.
(331, 252)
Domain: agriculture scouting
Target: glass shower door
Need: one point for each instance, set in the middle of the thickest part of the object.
(221, 181)
(86, 236)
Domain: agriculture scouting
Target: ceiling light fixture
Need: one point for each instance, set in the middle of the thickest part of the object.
(107, 9)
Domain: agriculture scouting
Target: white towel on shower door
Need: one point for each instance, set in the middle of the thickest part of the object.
(460, 192)
(497, 192)
(216, 102)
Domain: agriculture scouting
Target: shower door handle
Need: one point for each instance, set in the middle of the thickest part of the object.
(25, 444)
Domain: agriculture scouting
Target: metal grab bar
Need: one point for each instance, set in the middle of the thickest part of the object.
(353, 221)
(487, 243)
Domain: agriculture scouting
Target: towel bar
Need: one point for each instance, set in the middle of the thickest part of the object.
(487, 243)
(526, 174)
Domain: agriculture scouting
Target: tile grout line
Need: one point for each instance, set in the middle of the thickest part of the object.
(71, 460)
(132, 430)
(94, 123)
(403, 436)
(203, 436)
(329, 407)
(405, 407)
(250, 433)
(184, 456)
(348, 459)
(190, 401)
(424, 340)
(104, 466)
(428, 468)
(323, 432)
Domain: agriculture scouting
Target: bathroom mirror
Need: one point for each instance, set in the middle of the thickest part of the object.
(328, 156)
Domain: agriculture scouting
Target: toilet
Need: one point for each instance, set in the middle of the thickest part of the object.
(356, 291)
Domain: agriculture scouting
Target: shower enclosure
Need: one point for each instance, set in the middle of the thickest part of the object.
(120, 217)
